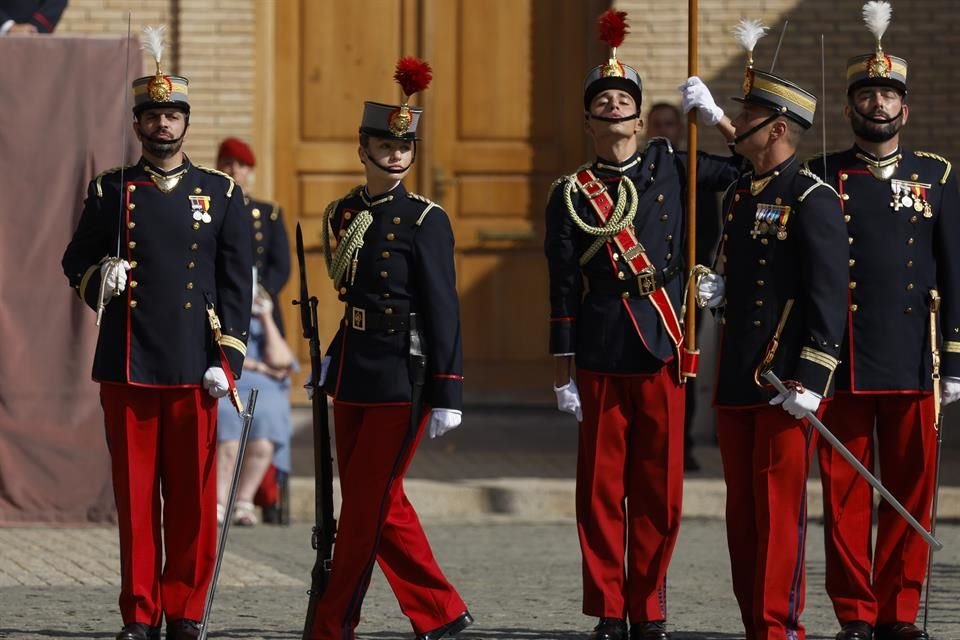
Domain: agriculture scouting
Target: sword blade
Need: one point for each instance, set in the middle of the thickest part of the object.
(858, 466)
(228, 514)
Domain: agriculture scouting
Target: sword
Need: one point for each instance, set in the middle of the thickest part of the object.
(228, 518)
(938, 426)
(113, 262)
(776, 53)
(858, 466)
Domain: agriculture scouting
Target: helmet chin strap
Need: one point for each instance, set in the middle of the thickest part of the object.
(614, 120)
(389, 169)
(749, 132)
(162, 140)
(869, 118)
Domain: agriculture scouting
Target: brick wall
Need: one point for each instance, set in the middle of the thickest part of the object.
(215, 48)
(921, 31)
(211, 42)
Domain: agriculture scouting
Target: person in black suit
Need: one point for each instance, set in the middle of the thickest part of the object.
(27, 17)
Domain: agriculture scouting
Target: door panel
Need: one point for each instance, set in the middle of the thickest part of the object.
(502, 119)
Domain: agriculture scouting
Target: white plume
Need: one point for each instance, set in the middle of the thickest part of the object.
(153, 41)
(876, 15)
(747, 32)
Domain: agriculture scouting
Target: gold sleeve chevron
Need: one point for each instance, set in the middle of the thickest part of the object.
(233, 343)
(825, 360)
(951, 346)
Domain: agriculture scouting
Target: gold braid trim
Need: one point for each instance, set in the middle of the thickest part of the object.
(622, 216)
(233, 343)
(825, 360)
(325, 232)
(99, 179)
(349, 245)
(85, 280)
(951, 346)
(933, 156)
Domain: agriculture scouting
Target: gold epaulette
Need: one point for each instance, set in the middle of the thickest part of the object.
(817, 182)
(217, 172)
(98, 180)
(659, 139)
(933, 156)
(424, 199)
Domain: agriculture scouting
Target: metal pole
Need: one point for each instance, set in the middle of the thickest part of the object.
(862, 470)
(690, 321)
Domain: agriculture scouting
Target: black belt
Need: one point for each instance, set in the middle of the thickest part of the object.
(630, 285)
(369, 320)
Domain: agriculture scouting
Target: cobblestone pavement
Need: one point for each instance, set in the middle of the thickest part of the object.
(520, 579)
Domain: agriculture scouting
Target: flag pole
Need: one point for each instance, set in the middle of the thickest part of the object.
(690, 334)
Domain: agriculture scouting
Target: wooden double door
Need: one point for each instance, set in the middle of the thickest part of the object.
(502, 119)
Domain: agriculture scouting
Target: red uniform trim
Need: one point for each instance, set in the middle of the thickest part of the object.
(42, 19)
(448, 376)
(372, 404)
(564, 319)
(149, 386)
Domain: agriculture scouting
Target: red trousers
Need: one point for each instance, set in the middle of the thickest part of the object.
(163, 443)
(377, 522)
(887, 589)
(629, 491)
(766, 459)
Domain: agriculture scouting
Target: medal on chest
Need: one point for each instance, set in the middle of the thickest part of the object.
(201, 208)
(770, 218)
(910, 195)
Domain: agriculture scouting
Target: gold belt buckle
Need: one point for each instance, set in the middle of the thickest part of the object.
(593, 183)
(647, 281)
(358, 319)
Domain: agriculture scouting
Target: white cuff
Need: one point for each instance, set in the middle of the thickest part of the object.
(6, 26)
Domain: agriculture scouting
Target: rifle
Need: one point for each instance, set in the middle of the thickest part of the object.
(325, 526)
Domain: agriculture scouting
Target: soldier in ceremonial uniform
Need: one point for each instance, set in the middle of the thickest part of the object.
(783, 260)
(271, 248)
(27, 17)
(266, 465)
(162, 249)
(394, 370)
(618, 224)
(902, 214)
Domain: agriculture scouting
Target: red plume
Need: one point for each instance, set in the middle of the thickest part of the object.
(412, 75)
(612, 26)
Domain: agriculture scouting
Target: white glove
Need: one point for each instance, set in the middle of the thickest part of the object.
(113, 274)
(949, 390)
(696, 95)
(324, 365)
(798, 403)
(443, 420)
(568, 399)
(215, 382)
(711, 289)
(262, 305)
